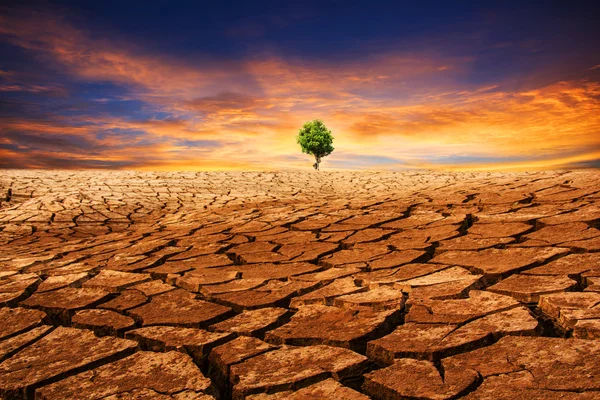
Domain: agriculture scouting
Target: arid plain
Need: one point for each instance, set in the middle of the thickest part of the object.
(299, 285)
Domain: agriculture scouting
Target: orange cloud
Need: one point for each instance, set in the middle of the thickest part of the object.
(561, 117)
(407, 107)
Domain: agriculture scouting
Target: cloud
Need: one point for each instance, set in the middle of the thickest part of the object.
(555, 118)
(394, 109)
(225, 101)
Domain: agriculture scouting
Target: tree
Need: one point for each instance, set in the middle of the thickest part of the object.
(315, 139)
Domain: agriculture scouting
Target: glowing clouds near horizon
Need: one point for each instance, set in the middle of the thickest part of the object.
(393, 111)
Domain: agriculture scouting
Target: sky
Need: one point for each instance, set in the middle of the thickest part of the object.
(226, 85)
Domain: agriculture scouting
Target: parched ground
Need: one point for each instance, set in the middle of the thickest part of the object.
(330, 285)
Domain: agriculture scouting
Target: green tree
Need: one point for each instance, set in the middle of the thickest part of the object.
(315, 139)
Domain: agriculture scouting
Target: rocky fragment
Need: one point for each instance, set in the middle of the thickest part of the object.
(275, 271)
(402, 273)
(152, 288)
(306, 251)
(561, 233)
(396, 258)
(331, 274)
(354, 255)
(236, 285)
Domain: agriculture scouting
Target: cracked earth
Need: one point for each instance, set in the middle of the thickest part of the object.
(330, 285)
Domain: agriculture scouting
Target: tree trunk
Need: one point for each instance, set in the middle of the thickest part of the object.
(318, 161)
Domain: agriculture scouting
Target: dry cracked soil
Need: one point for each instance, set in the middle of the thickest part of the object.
(299, 285)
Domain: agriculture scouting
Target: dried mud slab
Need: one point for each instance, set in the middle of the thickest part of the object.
(573, 265)
(179, 308)
(61, 304)
(125, 300)
(327, 389)
(274, 294)
(253, 322)
(288, 367)
(433, 341)
(449, 275)
(10, 346)
(114, 281)
(499, 229)
(528, 288)
(234, 352)
(50, 359)
(17, 320)
(162, 373)
(562, 233)
(403, 273)
(16, 287)
(60, 281)
(496, 263)
(576, 313)
(458, 311)
(195, 280)
(472, 242)
(553, 366)
(408, 378)
(102, 322)
(333, 326)
(195, 342)
(327, 294)
(376, 299)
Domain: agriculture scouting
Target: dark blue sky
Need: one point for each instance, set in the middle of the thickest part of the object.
(118, 67)
(342, 30)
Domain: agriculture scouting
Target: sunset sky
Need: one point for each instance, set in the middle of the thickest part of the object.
(225, 85)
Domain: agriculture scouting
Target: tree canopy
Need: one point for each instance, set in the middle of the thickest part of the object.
(314, 138)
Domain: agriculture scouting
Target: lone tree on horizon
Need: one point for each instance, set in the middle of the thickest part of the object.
(314, 138)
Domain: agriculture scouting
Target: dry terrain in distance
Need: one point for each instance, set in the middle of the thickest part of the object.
(299, 285)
